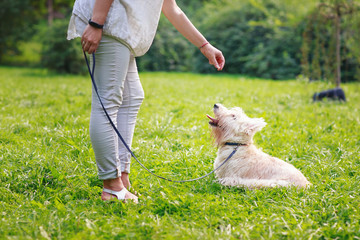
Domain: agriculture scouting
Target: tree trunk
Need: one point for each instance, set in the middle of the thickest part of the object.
(338, 43)
(50, 12)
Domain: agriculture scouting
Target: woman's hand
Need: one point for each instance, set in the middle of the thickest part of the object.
(90, 39)
(214, 56)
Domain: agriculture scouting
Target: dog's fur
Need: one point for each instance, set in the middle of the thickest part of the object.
(249, 166)
(333, 94)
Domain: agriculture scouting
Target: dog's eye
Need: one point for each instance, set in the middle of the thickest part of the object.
(233, 116)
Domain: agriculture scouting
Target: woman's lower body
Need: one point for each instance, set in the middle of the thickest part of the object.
(119, 87)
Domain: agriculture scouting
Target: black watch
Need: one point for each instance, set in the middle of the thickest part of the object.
(95, 25)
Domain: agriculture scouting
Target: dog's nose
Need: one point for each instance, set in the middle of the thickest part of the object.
(216, 106)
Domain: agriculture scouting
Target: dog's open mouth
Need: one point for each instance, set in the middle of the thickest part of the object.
(213, 121)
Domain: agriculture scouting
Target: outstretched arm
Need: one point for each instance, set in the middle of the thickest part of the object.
(180, 21)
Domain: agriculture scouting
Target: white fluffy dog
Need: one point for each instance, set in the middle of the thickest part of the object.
(249, 166)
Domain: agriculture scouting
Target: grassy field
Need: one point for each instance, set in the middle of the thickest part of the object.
(48, 178)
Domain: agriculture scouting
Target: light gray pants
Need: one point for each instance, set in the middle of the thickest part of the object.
(119, 86)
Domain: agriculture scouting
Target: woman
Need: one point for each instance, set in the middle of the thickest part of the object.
(117, 31)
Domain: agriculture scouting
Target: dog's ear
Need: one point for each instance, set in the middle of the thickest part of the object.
(254, 125)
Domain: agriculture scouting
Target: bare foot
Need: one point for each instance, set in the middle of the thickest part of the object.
(116, 185)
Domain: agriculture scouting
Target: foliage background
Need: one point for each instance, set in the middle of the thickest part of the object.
(277, 39)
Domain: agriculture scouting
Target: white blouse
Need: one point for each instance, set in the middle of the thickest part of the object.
(132, 22)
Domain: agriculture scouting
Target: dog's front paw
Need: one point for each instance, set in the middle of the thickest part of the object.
(227, 181)
(280, 183)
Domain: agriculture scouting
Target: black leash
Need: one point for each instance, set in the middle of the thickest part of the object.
(128, 148)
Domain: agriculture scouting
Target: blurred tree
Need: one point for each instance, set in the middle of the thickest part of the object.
(57, 9)
(352, 43)
(305, 49)
(59, 54)
(334, 28)
(170, 51)
(50, 7)
(191, 7)
(315, 63)
(336, 10)
(255, 36)
(17, 20)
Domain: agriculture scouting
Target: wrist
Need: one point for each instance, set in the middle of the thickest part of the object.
(203, 45)
(95, 24)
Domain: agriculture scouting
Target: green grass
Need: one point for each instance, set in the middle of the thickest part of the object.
(48, 178)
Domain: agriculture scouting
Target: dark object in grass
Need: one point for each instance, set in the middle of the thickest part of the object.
(333, 94)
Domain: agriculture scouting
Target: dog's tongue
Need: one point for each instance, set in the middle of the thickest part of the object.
(213, 120)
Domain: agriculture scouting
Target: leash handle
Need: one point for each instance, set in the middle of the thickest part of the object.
(91, 73)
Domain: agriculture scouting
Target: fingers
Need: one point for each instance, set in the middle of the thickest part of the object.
(90, 39)
(214, 56)
(218, 61)
(221, 61)
(214, 62)
(89, 47)
(85, 46)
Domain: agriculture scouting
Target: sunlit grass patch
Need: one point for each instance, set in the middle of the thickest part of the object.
(49, 187)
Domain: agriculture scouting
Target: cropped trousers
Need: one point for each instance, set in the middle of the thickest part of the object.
(120, 89)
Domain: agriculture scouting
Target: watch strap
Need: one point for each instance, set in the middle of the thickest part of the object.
(95, 25)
